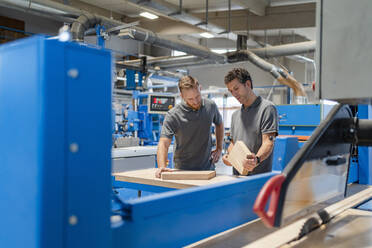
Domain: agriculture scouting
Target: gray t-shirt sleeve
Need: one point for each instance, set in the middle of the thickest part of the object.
(217, 118)
(269, 121)
(169, 127)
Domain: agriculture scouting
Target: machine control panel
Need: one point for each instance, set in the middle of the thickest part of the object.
(160, 104)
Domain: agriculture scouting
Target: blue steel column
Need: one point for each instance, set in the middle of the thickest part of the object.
(365, 153)
(88, 154)
(54, 168)
(32, 162)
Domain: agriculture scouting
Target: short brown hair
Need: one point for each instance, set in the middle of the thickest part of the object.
(187, 82)
(239, 73)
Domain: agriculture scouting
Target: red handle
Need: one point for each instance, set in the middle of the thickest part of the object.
(271, 188)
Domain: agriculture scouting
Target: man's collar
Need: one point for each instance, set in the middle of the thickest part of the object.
(254, 104)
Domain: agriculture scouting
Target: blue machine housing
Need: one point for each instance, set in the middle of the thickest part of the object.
(55, 170)
(50, 161)
(55, 182)
(134, 79)
(302, 120)
(147, 125)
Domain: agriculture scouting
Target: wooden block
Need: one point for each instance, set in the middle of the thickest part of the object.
(236, 156)
(188, 175)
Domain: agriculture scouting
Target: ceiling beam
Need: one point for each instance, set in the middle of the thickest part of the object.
(255, 6)
(294, 16)
(165, 26)
(93, 9)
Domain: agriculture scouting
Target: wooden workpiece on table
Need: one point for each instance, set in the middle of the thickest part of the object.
(147, 176)
(188, 175)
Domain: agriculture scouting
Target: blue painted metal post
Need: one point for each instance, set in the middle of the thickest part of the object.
(100, 38)
(284, 149)
(131, 79)
(54, 169)
(365, 153)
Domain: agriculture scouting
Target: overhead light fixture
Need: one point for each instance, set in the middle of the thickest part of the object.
(207, 35)
(149, 15)
(222, 51)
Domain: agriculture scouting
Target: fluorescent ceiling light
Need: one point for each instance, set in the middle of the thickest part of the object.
(207, 35)
(149, 15)
(177, 53)
(222, 51)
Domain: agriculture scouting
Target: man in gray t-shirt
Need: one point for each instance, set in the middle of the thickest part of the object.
(190, 122)
(255, 123)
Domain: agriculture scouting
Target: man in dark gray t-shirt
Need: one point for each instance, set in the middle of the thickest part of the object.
(190, 122)
(255, 123)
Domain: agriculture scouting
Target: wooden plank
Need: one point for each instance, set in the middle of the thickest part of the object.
(188, 175)
(237, 155)
(147, 176)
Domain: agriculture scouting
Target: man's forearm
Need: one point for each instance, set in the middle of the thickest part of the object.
(162, 155)
(265, 150)
(162, 158)
(219, 135)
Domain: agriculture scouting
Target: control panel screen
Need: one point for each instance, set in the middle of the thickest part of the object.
(161, 104)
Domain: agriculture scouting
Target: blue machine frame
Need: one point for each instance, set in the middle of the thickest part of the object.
(54, 167)
(293, 121)
(147, 124)
(55, 182)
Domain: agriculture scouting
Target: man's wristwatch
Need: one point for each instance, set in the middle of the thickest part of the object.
(258, 160)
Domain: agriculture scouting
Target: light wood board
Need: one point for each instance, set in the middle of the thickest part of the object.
(188, 175)
(147, 176)
(237, 155)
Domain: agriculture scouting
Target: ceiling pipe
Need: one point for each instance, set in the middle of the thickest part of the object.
(163, 59)
(241, 55)
(169, 62)
(150, 37)
(185, 64)
(284, 50)
(280, 75)
(70, 14)
(167, 73)
(53, 10)
(167, 9)
(82, 24)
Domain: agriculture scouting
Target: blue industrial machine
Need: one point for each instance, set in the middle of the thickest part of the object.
(134, 79)
(301, 120)
(144, 120)
(151, 110)
(55, 182)
(298, 122)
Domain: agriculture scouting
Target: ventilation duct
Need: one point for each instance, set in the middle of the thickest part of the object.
(173, 11)
(150, 37)
(53, 10)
